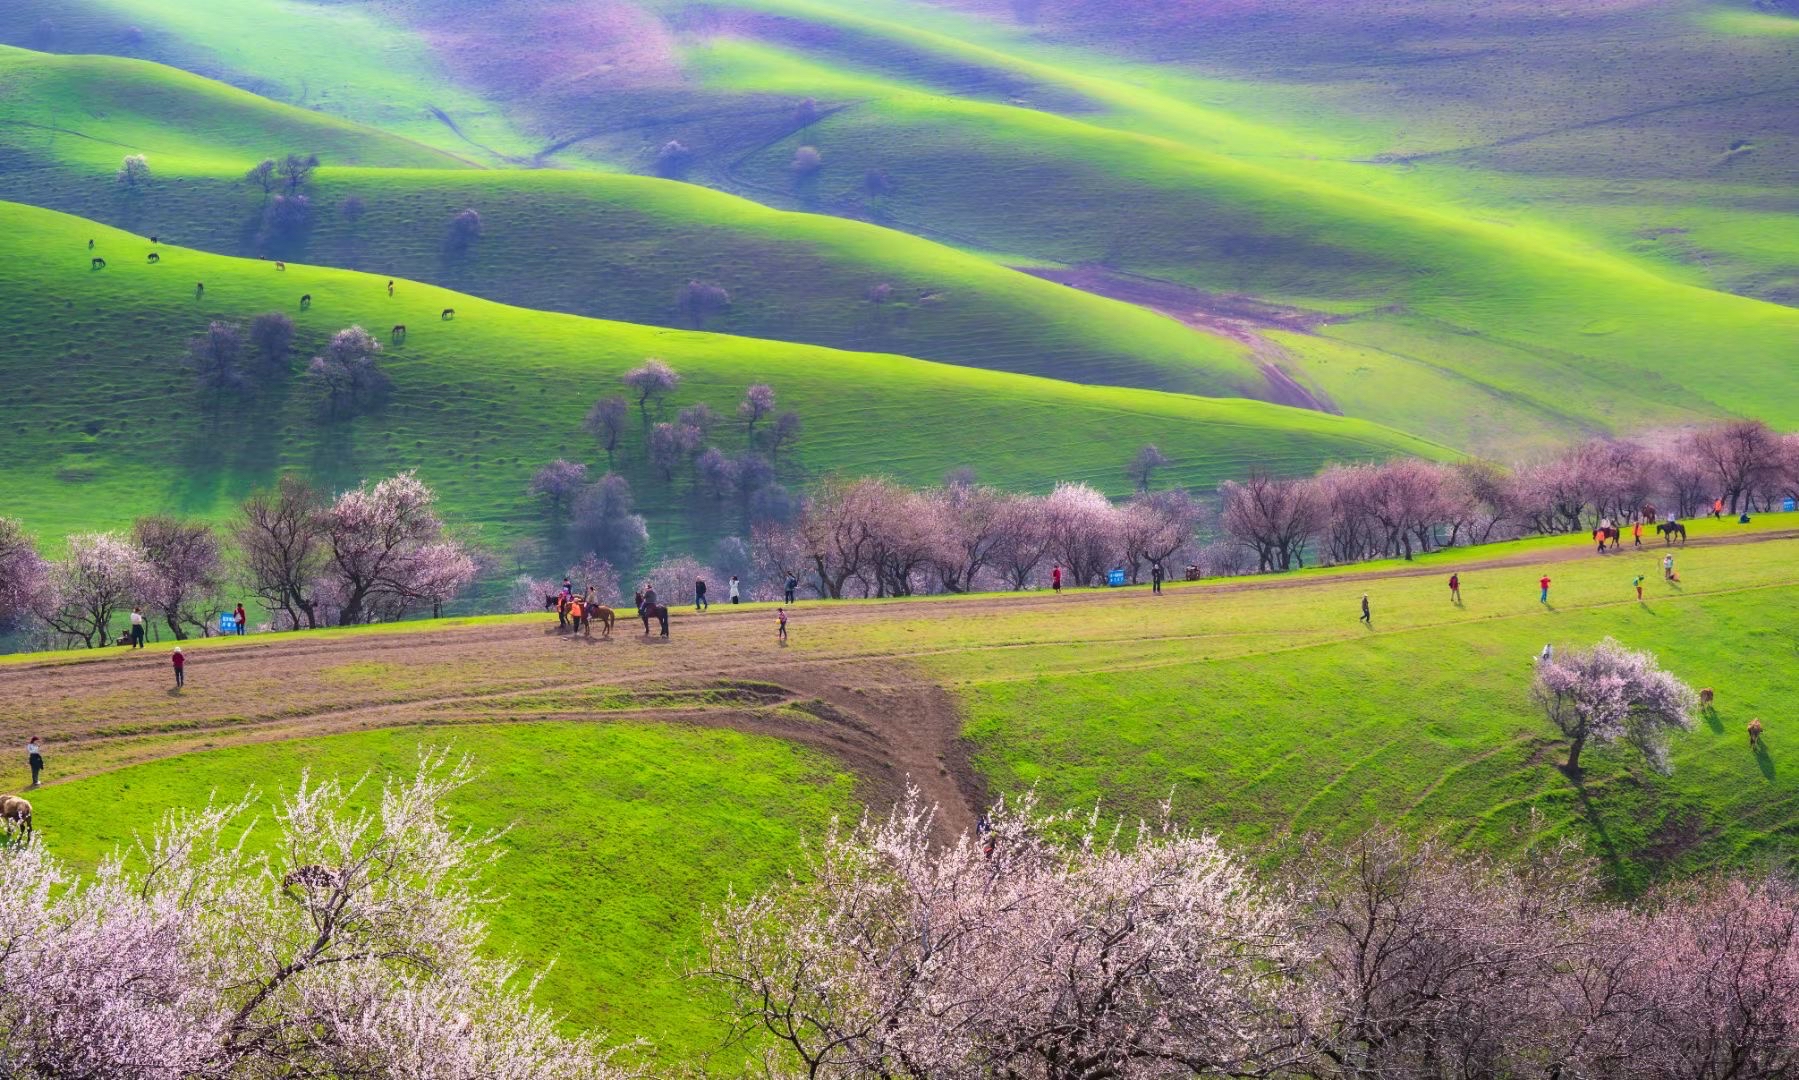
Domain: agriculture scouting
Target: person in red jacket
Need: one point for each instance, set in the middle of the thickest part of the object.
(1543, 584)
(240, 620)
(180, 663)
(1055, 579)
(1455, 588)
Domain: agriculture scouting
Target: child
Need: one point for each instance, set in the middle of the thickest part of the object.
(781, 616)
(1455, 588)
(1668, 568)
(1639, 584)
(180, 663)
(1543, 597)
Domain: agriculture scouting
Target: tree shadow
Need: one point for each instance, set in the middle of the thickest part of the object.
(1612, 860)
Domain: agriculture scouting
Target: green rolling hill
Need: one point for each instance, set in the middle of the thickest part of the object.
(105, 421)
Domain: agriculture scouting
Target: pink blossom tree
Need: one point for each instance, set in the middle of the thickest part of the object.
(1613, 694)
(102, 574)
(1275, 517)
(352, 945)
(758, 402)
(1010, 954)
(386, 543)
(187, 569)
(1739, 456)
(606, 423)
(24, 575)
(283, 549)
(653, 380)
(1084, 531)
(558, 483)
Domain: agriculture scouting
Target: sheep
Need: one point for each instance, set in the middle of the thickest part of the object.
(16, 813)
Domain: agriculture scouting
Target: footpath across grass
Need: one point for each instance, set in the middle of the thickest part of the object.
(619, 835)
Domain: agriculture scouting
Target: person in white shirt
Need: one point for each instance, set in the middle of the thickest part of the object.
(137, 628)
(34, 756)
(735, 598)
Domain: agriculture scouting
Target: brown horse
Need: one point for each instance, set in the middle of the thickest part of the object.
(16, 813)
(653, 611)
(606, 617)
(1671, 529)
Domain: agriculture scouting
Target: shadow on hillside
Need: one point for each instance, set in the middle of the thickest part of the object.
(1764, 761)
(1614, 864)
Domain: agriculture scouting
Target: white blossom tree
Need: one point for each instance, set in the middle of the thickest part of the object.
(1613, 694)
(102, 574)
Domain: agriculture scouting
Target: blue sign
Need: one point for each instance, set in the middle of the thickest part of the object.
(227, 623)
(1787, 506)
(1114, 577)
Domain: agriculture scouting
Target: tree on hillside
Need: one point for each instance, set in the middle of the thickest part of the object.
(282, 547)
(652, 380)
(349, 942)
(347, 375)
(296, 170)
(670, 445)
(970, 522)
(716, 473)
(606, 423)
(1142, 468)
(785, 431)
(758, 401)
(272, 336)
(1085, 532)
(186, 568)
(699, 416)
(673, 159)
(559, 482)
(385, 546)
(807, 162)
(1740, 457)
(464, 230)
(262, 175)
(101, 576)
(700, 300)
(216, 357)
(134, 171)
(1012, 954)
(24, 575)
(1610, 694)
(285, 219)
(604, 524)
(1277, 518)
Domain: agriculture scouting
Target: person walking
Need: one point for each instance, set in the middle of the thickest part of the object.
(562, 608)
(1718, 508)
(699, 595)
(781, 625)
(1755, 743)
(34, 757)
(240, 620)
(1636, 534)
(575, 613)
(1155, 578)
(736, 594)
(793, 588)
(1543, 584)
(180, 662)
(1055, 579)
(1455, 588)
(1668, 567)
(1367, 616)
(137, 628)
(1639, 584)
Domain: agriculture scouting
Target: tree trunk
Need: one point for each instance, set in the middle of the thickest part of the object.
(1573, 766)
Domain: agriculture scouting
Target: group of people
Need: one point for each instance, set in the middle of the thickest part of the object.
(575, 611)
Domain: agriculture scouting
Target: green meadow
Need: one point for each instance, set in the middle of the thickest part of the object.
(105, 422)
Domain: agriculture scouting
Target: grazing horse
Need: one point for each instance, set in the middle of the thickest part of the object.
(306, 302)
(448, 314)
(16, 812)
(97, 263)
(399, 333)
(658, 612)
(90, 245)
(155, 240)
(1671, 529)
(154, 257)
(279, 265)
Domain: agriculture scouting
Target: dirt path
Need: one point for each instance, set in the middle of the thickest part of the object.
(872, 709)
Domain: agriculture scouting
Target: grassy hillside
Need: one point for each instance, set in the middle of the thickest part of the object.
(481, 401)
(1262, 707)
(608, 246)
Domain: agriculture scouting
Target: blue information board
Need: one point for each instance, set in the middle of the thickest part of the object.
(1787, 506)
(1114, 577)
(228, 623)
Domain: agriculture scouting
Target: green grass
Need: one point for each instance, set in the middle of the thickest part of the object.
(480, 402)
(607, 246)
(620, 836)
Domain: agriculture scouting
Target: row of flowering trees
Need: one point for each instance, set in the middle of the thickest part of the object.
(1159, 954)
(873, 537)
(1352, 512)
(375, 552)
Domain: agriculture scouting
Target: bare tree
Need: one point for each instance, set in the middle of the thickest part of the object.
(784, 432)
(262, 175)
(1143, 467)
(606, 423)
(216, 357)
(281, 542)
(296, 171)
(1275, 517)
(272, 335)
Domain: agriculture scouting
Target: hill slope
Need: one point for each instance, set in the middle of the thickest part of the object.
(104, 422)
